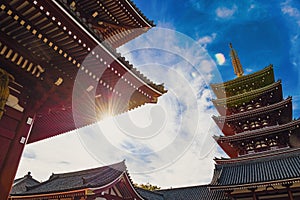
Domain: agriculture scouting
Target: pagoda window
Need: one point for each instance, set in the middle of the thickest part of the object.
(264, 122)
(257, 105)
(242, 109)
(257, 124)
(260, 144)
(245, 127)
(249, 147)
(249, 107)
(272, 142)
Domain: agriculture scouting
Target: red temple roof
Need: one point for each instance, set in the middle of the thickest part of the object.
(52, 56)
(116, 23)
(67, 74)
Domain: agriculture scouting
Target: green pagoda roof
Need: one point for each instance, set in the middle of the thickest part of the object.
(244, 83)
(237, 100)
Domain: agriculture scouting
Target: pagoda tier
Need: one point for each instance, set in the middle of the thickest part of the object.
(244, 84)
(62, 75)
(261, 97)
(264, 139)
(274, 114)
(279, 175)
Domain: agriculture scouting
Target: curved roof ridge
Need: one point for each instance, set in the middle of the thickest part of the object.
(116, 166)
(246, 94)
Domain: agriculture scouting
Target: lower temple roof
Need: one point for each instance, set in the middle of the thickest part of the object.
(90, 178)
(192, 193)
(280, 169)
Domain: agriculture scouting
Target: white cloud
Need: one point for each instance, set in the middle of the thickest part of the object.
(289, 10)
(62, 153)
(291, 14)
(248, 70)
(226, 13)
(169, 143)
(251, 7)
(203, 41)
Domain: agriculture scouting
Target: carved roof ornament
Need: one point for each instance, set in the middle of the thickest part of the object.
(238, 69)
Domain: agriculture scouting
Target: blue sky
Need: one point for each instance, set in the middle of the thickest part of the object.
(170, 144)
(263, 32)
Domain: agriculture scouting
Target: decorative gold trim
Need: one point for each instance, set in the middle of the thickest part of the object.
(4, 90)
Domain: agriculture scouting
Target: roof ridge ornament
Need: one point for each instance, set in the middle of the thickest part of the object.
(238, 69)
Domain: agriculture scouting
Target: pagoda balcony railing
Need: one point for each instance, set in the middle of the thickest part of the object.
(248, 157)
(261, 132)
(254, 112)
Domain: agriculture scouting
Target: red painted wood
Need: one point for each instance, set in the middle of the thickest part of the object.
(10, 161)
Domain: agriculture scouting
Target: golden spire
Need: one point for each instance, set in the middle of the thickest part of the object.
(238, 69)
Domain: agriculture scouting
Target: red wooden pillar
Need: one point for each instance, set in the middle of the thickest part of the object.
(290, 194)
(14, 152)
(254, 197)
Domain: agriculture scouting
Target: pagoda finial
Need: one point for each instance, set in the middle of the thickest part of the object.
(238, 69)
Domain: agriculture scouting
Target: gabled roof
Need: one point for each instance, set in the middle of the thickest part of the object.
(21, 184)
(90, 178)
(283, 168)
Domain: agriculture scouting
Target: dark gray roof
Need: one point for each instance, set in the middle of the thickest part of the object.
(200, 192)
(262, 171)
(21, 184)
(149, 195)
(90, 178)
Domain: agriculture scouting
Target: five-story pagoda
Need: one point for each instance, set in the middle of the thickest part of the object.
(260, 137)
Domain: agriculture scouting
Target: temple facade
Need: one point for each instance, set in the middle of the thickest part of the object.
(260, 137)
(60, 71)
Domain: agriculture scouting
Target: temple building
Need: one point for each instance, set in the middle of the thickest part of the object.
(260, 137)
(107, 182)
(59, 70)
